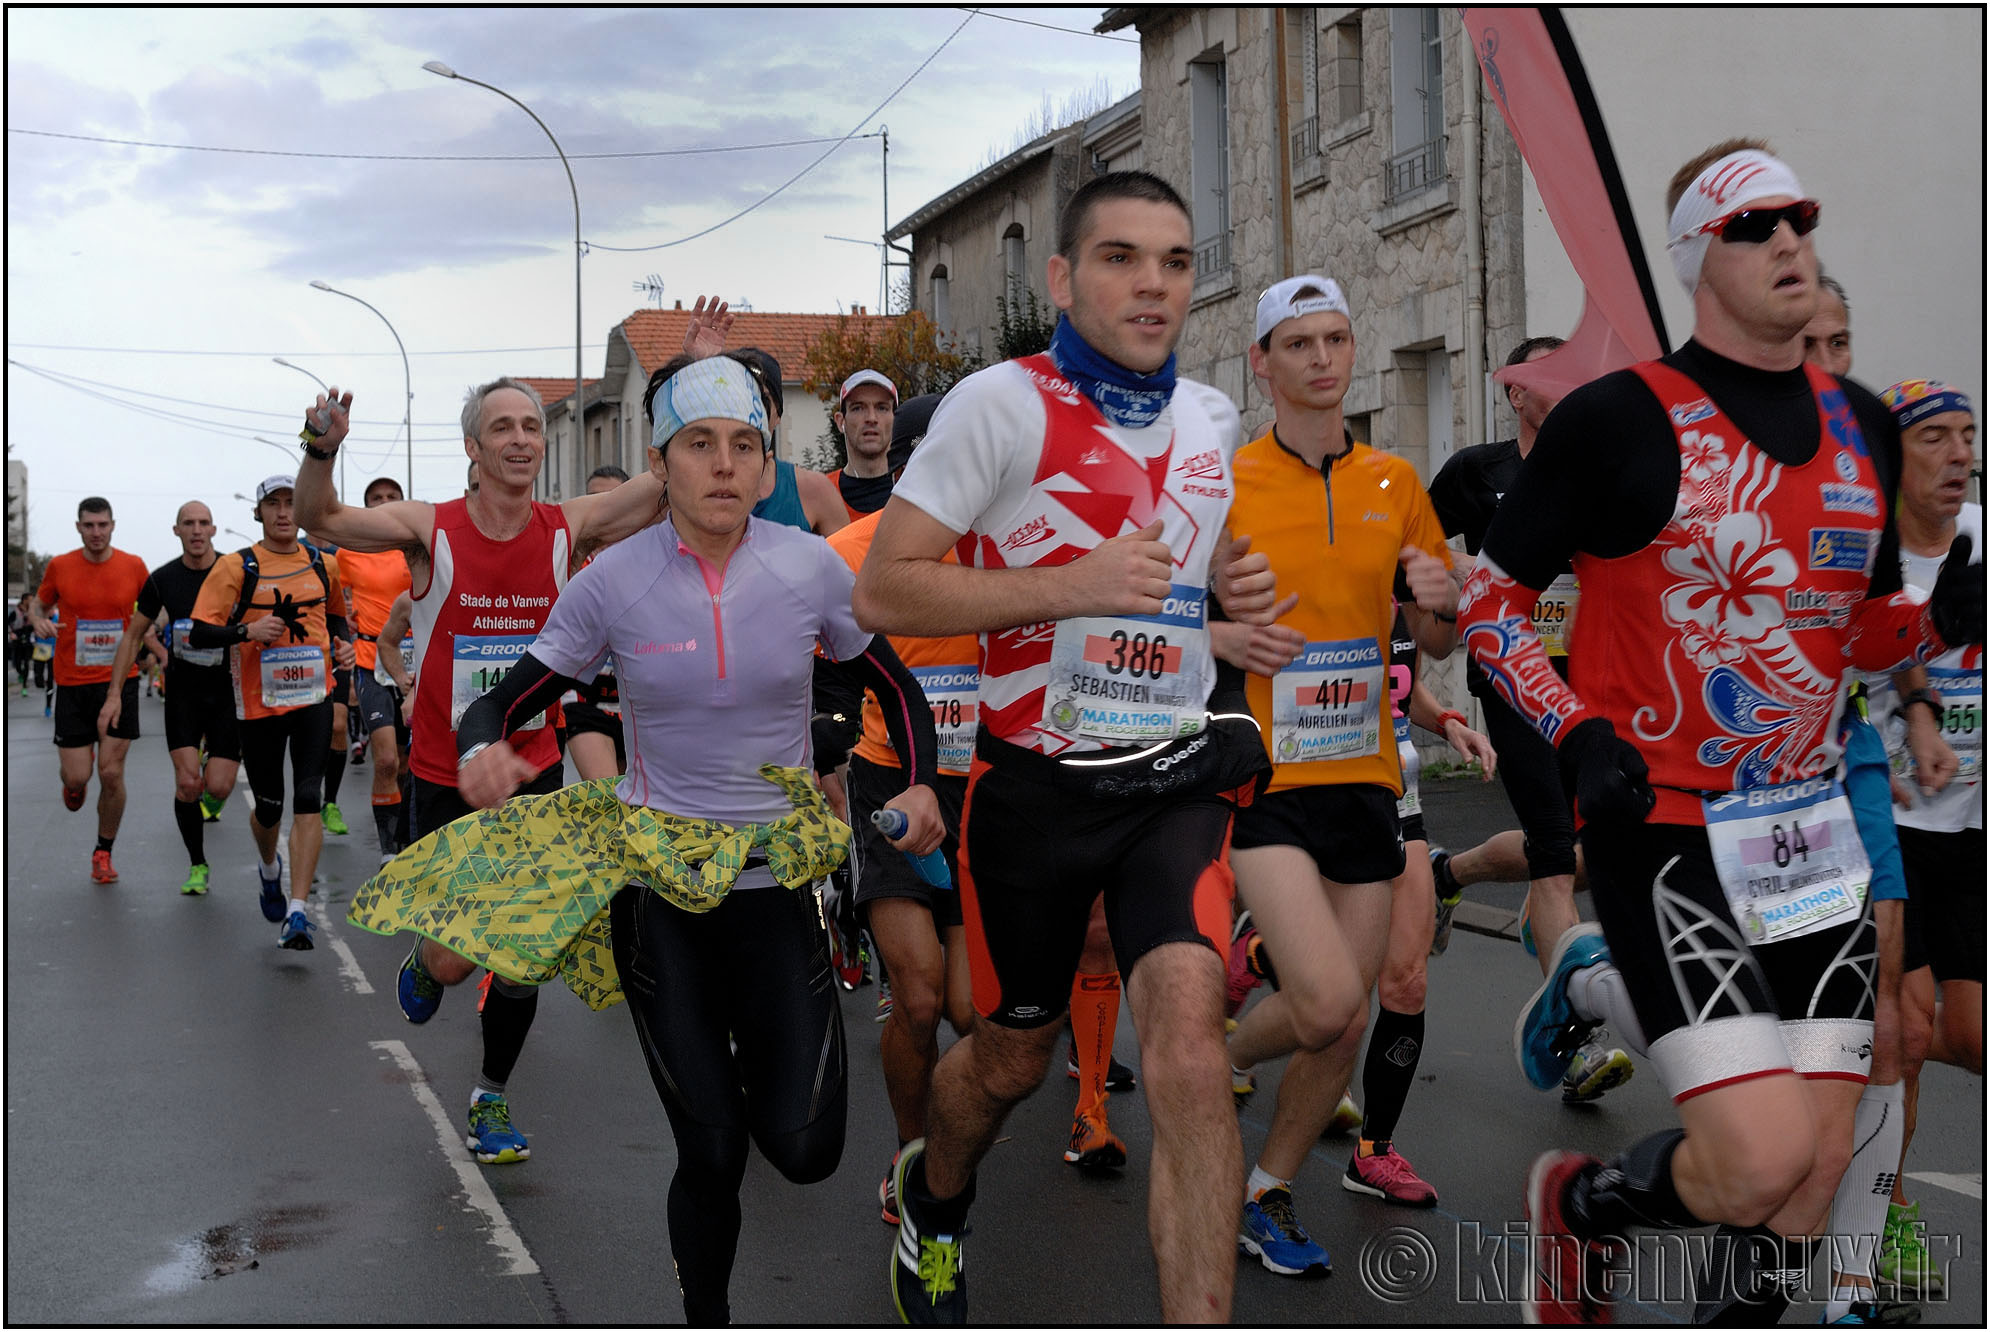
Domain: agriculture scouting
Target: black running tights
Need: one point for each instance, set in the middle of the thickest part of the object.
(737, 1016)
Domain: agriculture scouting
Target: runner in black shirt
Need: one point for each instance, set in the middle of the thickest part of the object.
(200, 703)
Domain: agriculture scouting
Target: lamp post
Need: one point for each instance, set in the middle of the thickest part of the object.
(289, 451)
(292, 365)
(407, 380)
(437, 67)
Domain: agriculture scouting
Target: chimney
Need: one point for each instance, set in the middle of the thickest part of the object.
(680, 305)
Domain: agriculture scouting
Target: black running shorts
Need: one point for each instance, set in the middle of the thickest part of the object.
(1351, 831)
(76, 709)
(200, 710)
(1714, 1008)
(1944, 915)
(437, 805)
(1533, 782)
(379, 705)
(881, 869)
(1038, 846)
(307, 733)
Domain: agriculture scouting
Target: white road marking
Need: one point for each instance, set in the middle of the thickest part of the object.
(476, 1192)
(1970, 1185)
(349, 968)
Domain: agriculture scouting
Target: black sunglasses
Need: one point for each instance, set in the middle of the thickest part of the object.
(1752, 226)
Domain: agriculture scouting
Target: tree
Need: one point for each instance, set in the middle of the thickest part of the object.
(1023, 326)
(907, 349)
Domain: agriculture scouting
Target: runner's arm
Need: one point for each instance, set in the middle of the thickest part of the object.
(526, 690)
(391, 633)
(820, 502)
(907, 717)
(602, 520)
(1424, 711)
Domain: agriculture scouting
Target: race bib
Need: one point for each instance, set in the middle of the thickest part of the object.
(1789, 858)
(1411, 803)
(1328, 703)
(97, 640)
(1554, 613)
(293, 676)
(407, 660)
(478, 664)
(1962, 717)
(1131, 679)
(180, 646)
(951, 692)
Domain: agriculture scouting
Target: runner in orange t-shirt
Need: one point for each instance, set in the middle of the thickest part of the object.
(373, 579)
(96, 588)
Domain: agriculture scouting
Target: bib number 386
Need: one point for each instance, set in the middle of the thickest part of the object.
(1131, 679)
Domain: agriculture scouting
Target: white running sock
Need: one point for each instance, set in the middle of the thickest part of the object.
(271, 870)
(1597, 994)
(1858, 1208)
(480, 1091)
(1262, 1179)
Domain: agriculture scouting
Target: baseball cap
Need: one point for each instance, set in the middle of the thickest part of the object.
(1281, 301)
(269, 485)
(908, 427)
(378, 480)
(863, 377)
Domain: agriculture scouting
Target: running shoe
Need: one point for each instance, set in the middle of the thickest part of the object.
(274, 903)
(1273, 1235)
(1243, 1082)
(1877, 1314)
(491, 1136)
(296, 932)
(1387, 1176)
(1598, 1067)
(1548, 1033)
(1094, 1146)
(420, 993)
(1347, 1118)
(1527, 930)
(1241, 980)
(101, 869)
(928, 1274)
(1569, 1284)
(1904, 1261)
(72, 797)
(847, 962)
(888, 1192)
(211, 807)
(196, 884)
(884, 999)
(1449, 895)
(335, 823)
(1119, 1078)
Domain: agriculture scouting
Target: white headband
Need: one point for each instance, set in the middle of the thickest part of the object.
(717, 386)
(1719, 190)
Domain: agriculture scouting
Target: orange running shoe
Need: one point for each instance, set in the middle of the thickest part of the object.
(101, 869)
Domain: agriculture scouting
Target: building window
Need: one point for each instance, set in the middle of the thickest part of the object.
(1209, 164)
(1303, 42)
(1416, 94)
(1344, 51)
(943, 310)
(1015, 276)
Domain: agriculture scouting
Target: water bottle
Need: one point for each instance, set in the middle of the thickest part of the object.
(932, 866)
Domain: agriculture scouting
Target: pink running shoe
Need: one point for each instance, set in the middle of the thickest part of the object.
(1389, 1177)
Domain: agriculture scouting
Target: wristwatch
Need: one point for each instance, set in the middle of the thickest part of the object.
(1922, 695)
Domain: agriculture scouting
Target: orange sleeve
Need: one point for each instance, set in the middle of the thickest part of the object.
(335, 598)
(218, 591)
(1426, 533)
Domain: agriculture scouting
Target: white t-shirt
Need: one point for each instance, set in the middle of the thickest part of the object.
(1957, 676)
(1022, 464)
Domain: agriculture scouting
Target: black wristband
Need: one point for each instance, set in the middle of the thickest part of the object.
(1922, 695)
(313, 451)
(1448, 619)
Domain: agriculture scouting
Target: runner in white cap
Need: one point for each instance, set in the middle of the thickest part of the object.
(864, 408)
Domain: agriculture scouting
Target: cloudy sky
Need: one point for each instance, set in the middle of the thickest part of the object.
(148, 287)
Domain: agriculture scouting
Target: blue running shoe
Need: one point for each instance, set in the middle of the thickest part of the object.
(491, 1135)
(296, 933)
(928, 1265)
(1274, 1236)
(275, 904)
(420, 993)
(1548, 1033)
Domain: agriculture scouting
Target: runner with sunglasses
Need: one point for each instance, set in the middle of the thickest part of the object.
(1726, 511)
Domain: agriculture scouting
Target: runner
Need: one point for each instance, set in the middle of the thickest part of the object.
(98, 584)
(594, 711)
(1085, 491)
(864, 407)
(1341, 523)
(1725, 511)
(1466, 493)
(44, 657)
(200, 703)
(485, 571)
(20, 642)
(279, 605)
(342, 700)
(1827, 338)
(714, 618)
(373, 579)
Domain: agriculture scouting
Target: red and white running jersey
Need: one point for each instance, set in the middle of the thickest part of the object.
(1033, 474)
(485, 602)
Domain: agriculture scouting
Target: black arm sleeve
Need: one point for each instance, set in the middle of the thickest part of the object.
(907, 716)
(527, 690)
(336, 626)
(201, 634)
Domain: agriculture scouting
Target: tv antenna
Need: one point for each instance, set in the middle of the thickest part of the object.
(652, 287)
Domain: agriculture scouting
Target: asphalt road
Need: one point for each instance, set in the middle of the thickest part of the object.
(203, 1128)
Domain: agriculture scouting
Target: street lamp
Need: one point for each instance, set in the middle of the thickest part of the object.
(292, 365)
(407, 380)
(437, 67)
(289, 451)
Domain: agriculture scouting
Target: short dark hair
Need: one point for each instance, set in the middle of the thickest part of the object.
(1546, 342)
(767, 370)
(1077, 213)
(609, 470)
(1836, 288)
(94, 504)
(657, 380)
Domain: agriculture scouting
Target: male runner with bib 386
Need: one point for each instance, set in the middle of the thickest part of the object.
(1085, 492)
(486, 570)
(1727, 512)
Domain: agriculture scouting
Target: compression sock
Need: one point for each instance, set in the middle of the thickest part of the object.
(186, 816)
(1749, 1276)
(1597, 993)
(1635, 1189)
(1394, 1047)
(387, 822)
(508, 1012)
(104, 843)
(334, 774)
(1094, 1021)
(1858, 1208)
